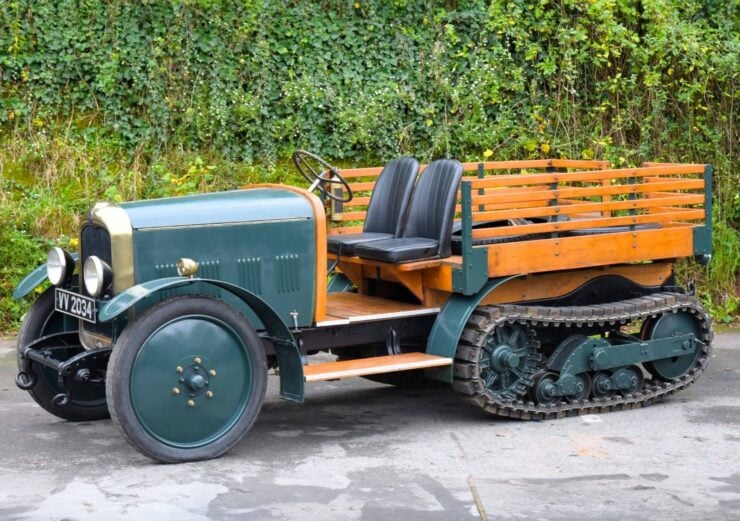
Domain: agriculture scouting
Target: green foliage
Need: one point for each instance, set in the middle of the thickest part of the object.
(120, 100)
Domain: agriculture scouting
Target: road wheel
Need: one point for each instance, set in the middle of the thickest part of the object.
(88, 402)
(186, 380)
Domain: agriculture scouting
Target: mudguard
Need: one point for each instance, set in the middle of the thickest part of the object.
(286, 348)
(450, 323)
(34, 279)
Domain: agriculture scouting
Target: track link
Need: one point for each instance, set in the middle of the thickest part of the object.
(484, 318)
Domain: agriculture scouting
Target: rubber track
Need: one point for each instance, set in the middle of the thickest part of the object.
(485, 318)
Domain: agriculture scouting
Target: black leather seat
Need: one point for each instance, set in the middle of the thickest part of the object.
(427, 231)
(386, 209)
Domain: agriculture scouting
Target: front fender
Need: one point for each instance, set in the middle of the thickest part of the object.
(286, 347)
(34, 279)
(450, 323)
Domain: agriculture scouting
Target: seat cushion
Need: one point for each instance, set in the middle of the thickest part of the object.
(405, 249)
(349, 241)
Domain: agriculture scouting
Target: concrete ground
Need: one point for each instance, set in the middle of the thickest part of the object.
(360, 450)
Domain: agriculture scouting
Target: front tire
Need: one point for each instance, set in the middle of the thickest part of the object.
(41, 320)
(187, 380)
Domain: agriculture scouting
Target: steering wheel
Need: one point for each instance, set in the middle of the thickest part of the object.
(327, 175)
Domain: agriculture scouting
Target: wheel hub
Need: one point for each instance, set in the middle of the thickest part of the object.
(193, 381)
(508, 360)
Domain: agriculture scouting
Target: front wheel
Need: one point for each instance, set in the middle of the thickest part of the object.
(187, 380)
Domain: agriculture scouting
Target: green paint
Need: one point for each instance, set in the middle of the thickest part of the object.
(255, 205)
(167, 416)
(473, 274)
(339, 283)
(34, 279)
(450, 323)
(275, 259)
(703, 234)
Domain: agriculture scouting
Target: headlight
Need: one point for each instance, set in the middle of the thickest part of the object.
(97, 276)
(59, 266)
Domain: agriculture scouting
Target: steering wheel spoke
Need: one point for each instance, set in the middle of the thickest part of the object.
(319, 181)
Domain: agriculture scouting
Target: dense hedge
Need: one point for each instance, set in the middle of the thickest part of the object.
(256, 78)
(121, 99)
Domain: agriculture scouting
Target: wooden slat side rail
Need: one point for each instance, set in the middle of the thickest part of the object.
(590, 175)
(351, 173)
(590, 250)
(375, 365)
(575, 209)
(506, 231)
(566, 191)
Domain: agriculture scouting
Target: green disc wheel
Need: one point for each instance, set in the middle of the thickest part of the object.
(667, 325)
(87, 402)
(187, 380)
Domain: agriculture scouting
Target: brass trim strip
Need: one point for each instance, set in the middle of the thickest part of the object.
(115, 219)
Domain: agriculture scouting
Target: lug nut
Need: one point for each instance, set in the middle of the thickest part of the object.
(209, 394)
(212, 372)
(175, 391)
(178, 369)
(191, 403)
(197, 360)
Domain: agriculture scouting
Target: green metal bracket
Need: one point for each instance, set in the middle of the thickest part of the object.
(473, 274)
(596, 354)
(703, 234)
(286, 347)
(450, 323)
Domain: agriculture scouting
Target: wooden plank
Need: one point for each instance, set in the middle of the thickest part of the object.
(353, 216)
(561, 192)
(344, 230)
(599, 222)
(591, 175)
(374, 365)
(579, 163)
(362, 187)
(351, 173)
(357, 201)
(406, 266)
(574, 209)
(514, 165)
(590, 250)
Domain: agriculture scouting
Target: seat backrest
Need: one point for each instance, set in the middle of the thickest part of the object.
(391, 196)
(432, 206)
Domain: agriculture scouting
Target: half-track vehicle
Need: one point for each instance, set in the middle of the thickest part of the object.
(538, 289)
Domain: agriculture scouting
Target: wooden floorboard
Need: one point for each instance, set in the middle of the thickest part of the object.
(352, 305)
(374, 365)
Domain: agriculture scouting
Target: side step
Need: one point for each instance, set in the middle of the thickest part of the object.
(373, 365)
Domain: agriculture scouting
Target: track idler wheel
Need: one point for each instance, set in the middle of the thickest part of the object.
(667, 325)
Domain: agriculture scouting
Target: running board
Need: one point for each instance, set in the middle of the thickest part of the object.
(373, 365)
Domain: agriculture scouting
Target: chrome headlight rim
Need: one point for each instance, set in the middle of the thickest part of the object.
(59, 266)
(96, 275)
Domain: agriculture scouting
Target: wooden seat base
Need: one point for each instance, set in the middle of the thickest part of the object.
(374, 365)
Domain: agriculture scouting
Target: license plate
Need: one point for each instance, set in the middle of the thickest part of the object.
(75, 305)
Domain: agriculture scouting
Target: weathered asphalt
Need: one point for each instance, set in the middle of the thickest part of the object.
(360, 450)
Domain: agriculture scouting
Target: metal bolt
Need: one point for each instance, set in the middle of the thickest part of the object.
(178, 369)
(209, 394)
(191, 403)
(197, 360)
(175, 390)
(212, 372)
